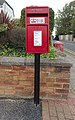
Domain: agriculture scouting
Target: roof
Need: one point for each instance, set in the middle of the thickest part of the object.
(1, 2)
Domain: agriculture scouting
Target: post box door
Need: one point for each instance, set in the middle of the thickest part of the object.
(37, 39)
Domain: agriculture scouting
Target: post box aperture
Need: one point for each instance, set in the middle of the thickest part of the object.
(37, 29)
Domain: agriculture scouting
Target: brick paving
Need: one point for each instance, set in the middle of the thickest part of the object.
(61, 109)
(58, 109)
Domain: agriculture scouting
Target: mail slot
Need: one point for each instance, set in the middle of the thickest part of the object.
(37, 29)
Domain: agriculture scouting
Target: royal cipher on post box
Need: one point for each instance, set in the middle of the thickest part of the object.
(37, 29)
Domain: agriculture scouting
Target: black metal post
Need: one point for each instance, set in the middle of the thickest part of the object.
(37, 79)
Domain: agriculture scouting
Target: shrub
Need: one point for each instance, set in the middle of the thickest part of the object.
(5, 22)
(20, 52)
(15, 38)
(51, 54)
(9, 51)
(3, 37)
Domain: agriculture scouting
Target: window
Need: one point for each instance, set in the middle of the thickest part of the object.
(1, 6)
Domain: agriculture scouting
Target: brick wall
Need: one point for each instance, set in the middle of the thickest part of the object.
(17, 77)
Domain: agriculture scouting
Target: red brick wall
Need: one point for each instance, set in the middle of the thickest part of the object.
(18, 80)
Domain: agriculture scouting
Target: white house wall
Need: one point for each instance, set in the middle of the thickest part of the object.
(8, 10)
(66, 37)
(1, 8)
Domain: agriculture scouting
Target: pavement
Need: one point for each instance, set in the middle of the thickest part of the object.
(58, 109)
(71, 58)
(62, 109)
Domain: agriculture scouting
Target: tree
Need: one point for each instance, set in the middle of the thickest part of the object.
(72, 6)
(51, 19)
(65, 19)
(73, 26)
(22, 19)
(58, 23)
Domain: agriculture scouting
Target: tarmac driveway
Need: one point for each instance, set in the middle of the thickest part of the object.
(19, 110)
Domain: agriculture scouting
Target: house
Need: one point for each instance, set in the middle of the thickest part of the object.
(6, 8)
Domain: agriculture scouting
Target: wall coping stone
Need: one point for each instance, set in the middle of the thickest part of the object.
(30, 61)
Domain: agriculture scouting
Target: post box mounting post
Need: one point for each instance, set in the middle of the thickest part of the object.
(37, 39)
(37, 79)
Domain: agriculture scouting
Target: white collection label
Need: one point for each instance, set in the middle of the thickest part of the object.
(37, 38)
(37, 20)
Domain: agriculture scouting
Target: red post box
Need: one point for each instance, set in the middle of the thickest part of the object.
(59, 45)
(37, 29)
